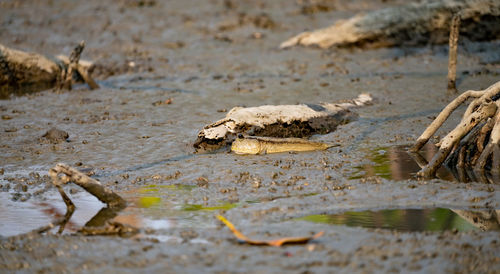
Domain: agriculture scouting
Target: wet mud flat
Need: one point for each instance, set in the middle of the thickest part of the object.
(166, 70)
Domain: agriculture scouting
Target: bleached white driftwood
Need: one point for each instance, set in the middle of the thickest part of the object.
(425, 22)
(278, 121)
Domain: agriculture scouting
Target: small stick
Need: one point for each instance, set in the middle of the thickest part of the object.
(74, 58)
(452, 55)
(86, 77)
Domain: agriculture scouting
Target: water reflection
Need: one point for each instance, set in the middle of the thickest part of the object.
(397, 163)
(434, 219)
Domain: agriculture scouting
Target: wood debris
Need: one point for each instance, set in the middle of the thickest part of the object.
(282, 121)
(21, 70)
(413, 23)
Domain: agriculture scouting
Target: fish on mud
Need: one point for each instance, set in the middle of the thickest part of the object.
(282, 121)
(264, 145)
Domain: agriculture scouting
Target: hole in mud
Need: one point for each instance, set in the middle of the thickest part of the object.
(430, 219)
(397, 163)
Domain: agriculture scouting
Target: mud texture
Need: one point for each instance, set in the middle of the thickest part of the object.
(207, 57)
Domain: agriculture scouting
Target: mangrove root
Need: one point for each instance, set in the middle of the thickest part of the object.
(414, 23)
(475, 140)
(281, 121)
(19, 69)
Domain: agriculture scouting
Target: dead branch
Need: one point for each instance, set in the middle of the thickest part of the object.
(414, 23)
(92, 186)
(74, 58)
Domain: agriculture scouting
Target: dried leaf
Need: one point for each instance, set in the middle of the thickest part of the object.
(277, 242)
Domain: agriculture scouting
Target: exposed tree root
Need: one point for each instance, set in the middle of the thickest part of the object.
(21, 70)
(414, 23)
(475, 140)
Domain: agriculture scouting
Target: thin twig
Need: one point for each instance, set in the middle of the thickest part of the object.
(452, 56)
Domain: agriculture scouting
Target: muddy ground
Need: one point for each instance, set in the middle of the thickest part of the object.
(168, 68)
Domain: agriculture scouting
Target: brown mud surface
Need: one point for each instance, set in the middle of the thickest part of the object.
(166, 69)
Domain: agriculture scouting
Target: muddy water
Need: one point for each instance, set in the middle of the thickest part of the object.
(142, 149)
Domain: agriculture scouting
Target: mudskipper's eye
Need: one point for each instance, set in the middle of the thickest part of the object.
(240, 136)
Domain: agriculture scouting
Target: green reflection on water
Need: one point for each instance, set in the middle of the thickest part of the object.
(381, 165)
(196, 207)
(157, 188)
(437, 219)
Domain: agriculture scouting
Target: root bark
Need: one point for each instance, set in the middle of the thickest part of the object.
(475, 140)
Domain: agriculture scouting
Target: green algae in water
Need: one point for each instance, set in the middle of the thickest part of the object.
(436, 219)
(147, 202)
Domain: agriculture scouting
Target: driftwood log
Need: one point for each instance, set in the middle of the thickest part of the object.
(281, 121)
(414, 23)
(475, 140)
(21, 70)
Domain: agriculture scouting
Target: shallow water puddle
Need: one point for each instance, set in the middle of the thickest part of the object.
(396, 163)
(22, 217)
(431, 219)
(150, 207)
